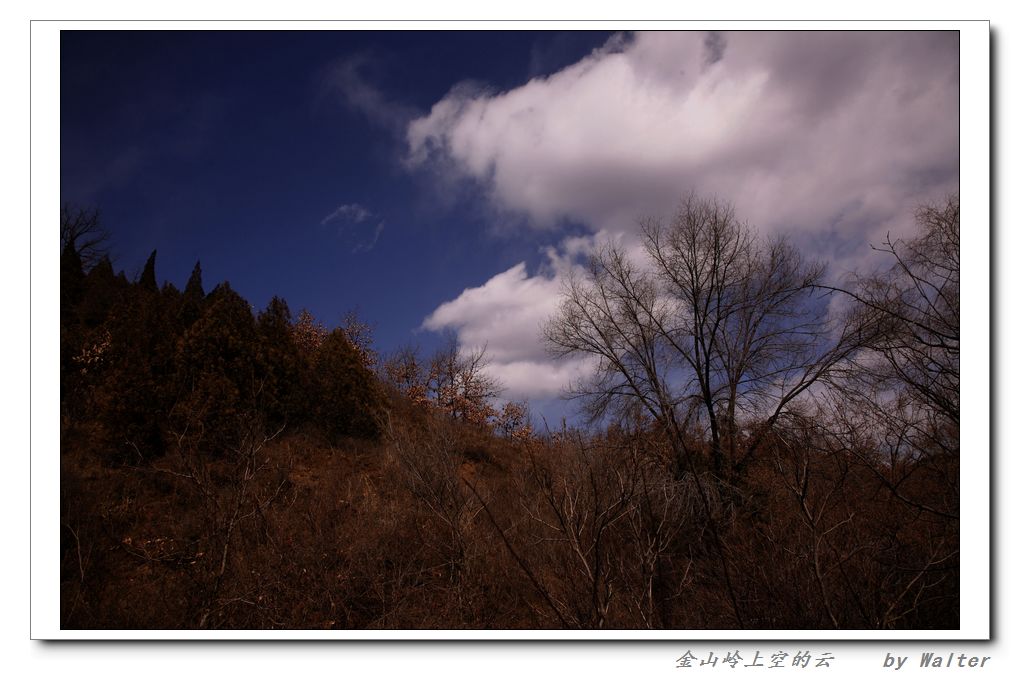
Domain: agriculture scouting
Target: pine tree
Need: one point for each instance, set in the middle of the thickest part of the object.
(348, 395)
(148, 278)
(103, 292)
(71, 281)
(217, 371)
(192, 301)
(71, 335)
(284, 373)
(194, 285)
(134, 389)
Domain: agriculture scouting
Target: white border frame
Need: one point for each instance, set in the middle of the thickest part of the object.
(975, 425)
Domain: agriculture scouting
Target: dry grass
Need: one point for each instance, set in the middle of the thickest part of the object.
(440, 525)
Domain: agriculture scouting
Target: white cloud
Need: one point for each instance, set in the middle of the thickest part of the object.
(505, 316)
(834, 137)
(798, 130)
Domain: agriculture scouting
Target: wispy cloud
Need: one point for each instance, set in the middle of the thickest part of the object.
(358, 223)
(350, 212)
(366, 246)
(346, 79)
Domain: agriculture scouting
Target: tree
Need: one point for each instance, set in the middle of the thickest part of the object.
(715, 333)
(134, 383)
(896, 407)
(348, 398)
(309, 333)
(514, 421)
(359, 334)
(191, 304)
(459, 385)
(405, 371)
(82, 233)
(148, 278)
(284, 373)
(219, 381)
(918, 301)
(72, 281)
(194, 286)
(103, 292)
(453, 381)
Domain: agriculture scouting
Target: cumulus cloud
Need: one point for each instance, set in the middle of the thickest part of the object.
(832, 137)
(797, 129)
(505, 316)
(349, 217)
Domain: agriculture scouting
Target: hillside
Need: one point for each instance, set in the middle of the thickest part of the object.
(222, 468)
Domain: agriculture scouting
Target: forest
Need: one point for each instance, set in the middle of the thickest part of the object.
(763, 447)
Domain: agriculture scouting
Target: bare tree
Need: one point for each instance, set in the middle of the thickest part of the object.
(82, 233)
(902, 395)
(918, 300)
(714, 335)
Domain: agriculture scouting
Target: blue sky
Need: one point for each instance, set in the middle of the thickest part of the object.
(235, 147)
(446, 181)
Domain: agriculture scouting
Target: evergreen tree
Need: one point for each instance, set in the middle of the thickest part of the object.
(348, 396)
(170, 294)
(285, 375)
(71, 281)
(148, 278)
(192, 300)
(194, 285)
(71, 335)
(218, 376)
(103, 292)
(135, 387)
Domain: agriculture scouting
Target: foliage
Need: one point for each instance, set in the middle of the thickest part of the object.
(359, 334)
(218, 376)
(348, 399)
(453, 381)
(240, 471)
(285, 375)
(308, 333)
(147, 281)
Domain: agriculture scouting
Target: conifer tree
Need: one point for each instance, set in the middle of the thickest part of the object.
(192, 300)
(284, 373)
(194, 285)
(103, 292)
(348, 396)
(217, 369)
(134, 390)
(71, 281)
(148, 278)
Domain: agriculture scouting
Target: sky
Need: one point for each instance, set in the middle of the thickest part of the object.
(446, 182)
